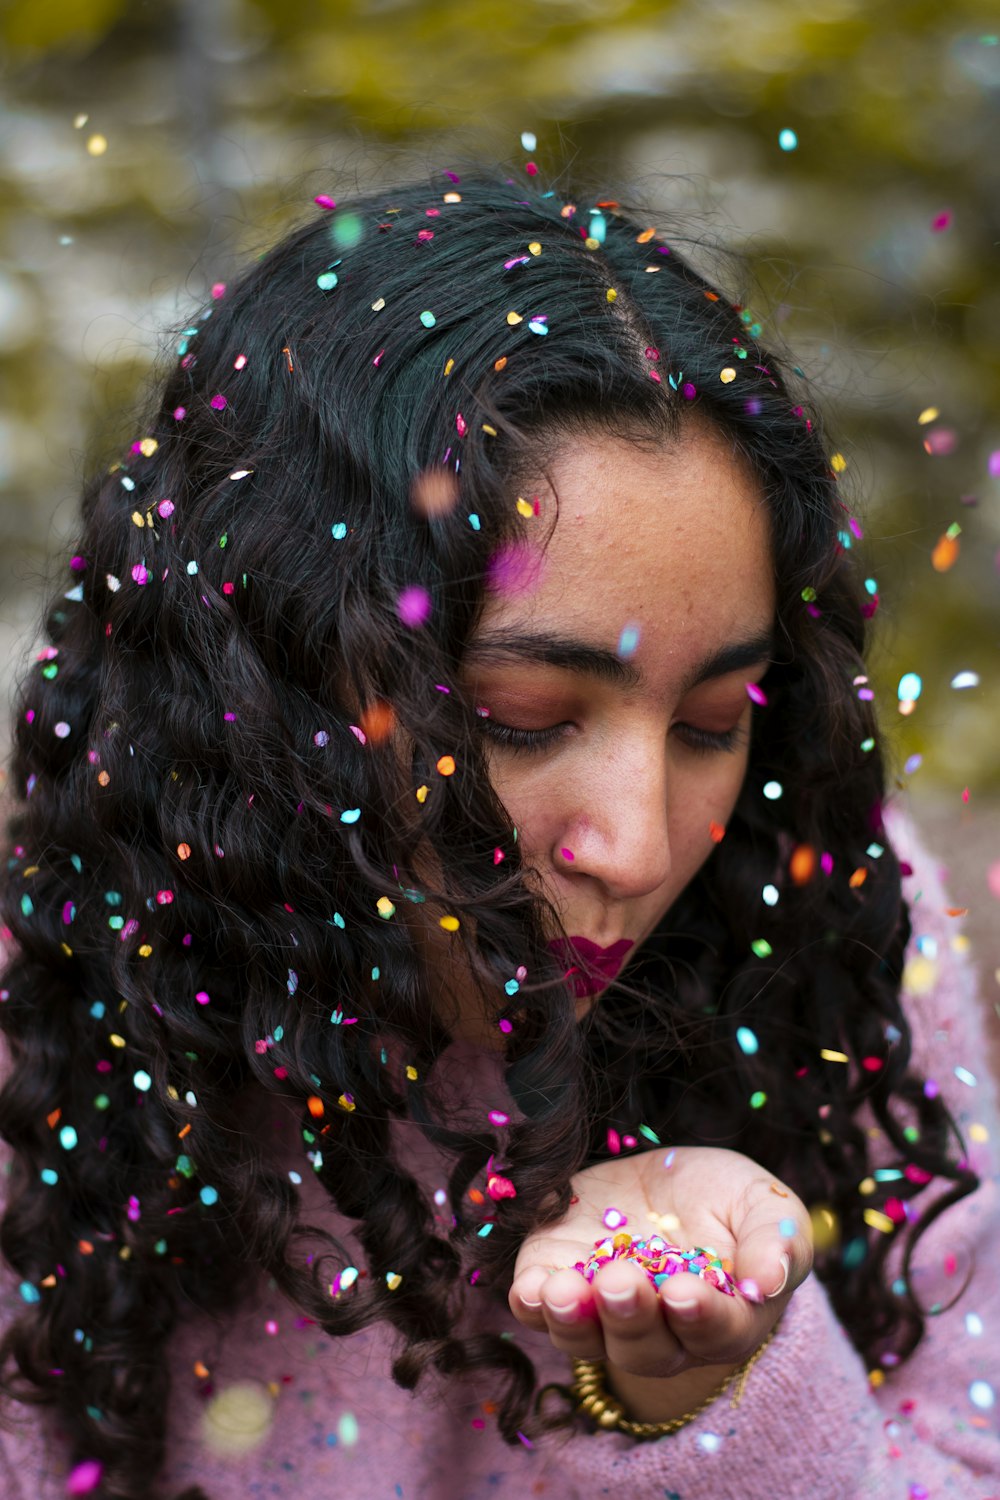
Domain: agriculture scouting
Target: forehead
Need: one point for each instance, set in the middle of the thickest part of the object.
(672, 538)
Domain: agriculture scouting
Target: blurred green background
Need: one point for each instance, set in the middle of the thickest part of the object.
(851, 151)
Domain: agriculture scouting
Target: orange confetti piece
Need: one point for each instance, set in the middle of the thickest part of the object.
(476, 1196)
(956, 911)
(945, 554)
(53, 1119)
(446, 765)
(645, 237)
(858, 878)
(802, 865)
(501, 363)
(85, 1247)
(716, 832)
(378, 721)
(183, 1131)
(315, 1104)
(201, 1370)
(183, 851)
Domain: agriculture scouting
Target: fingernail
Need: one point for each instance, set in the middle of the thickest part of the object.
(529, 1302)
(621, 1302)
(565, 1312)
(784, 1277)
(684, 1310)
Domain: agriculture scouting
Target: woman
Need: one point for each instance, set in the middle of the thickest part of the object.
(452, 853)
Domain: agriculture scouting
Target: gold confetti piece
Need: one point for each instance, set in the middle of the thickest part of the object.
(116, 1040)
(450, 924)
(838, 463)
(145, 950)
(524, 507)
(97, 145)
(534, 248)
(928, 414)
(137, 519)
(979, 1133)
(611, 294)
(866, 1186)
(346, 1103)
(491, 430)
(591, 243)
(148, 447)
(645, 237)
(452, 198)
(421, 793)
(392, 1280)
(411, 1073)
(449, 366)
(876, 1377)
(513, 318)
(727, 375)
(384, 907)
(878, 1220)
(920, 975)
(378, 306)
(828, 1055)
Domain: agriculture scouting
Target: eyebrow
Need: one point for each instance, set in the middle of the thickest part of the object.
(574, 655)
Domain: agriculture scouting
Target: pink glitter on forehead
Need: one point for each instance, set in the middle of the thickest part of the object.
(514, 569)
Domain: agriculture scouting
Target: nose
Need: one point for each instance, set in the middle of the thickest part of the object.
(618, 834)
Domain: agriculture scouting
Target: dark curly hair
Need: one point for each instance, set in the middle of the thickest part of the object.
(208, 864)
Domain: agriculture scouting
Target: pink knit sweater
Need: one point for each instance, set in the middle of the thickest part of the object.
(289, 1413)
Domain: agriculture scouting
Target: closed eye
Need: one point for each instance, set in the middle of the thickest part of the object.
(702, 741)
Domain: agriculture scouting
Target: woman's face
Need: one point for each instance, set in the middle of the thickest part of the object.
(619, 721)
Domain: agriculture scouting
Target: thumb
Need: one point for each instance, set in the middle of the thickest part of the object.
(774, 1250)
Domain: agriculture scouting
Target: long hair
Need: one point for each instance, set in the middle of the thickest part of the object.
(247, 743)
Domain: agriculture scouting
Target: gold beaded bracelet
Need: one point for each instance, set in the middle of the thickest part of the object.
(592, 1398)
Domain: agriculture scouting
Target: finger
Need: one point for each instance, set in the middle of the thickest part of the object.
(570, 1317)
(524, 1297)
(774, 1245)
(636, 1334)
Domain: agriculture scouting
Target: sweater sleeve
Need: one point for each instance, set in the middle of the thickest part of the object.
(813, 1421)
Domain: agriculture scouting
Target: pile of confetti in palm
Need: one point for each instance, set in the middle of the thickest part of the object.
(660, 1259)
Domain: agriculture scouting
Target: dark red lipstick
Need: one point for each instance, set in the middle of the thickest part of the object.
(588, 965)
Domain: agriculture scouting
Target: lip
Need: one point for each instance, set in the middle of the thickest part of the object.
(588, 965)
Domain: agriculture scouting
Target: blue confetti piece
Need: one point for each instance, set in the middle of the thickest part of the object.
(30, 1293)
(474, 521)
(338, 531)
(351, 815)
(628, 641)
(209, 1195)
(747, 1040)
(964, 1076)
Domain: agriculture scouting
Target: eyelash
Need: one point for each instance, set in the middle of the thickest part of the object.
(702, 741)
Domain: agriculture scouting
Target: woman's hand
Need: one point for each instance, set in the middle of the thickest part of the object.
(690, 1195)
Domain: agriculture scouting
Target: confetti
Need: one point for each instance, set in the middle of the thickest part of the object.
(787, 140)
(414, 606)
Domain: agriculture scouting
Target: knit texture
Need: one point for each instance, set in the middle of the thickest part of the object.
(290, 1414)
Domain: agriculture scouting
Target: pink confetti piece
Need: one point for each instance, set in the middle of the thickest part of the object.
(414, 606)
